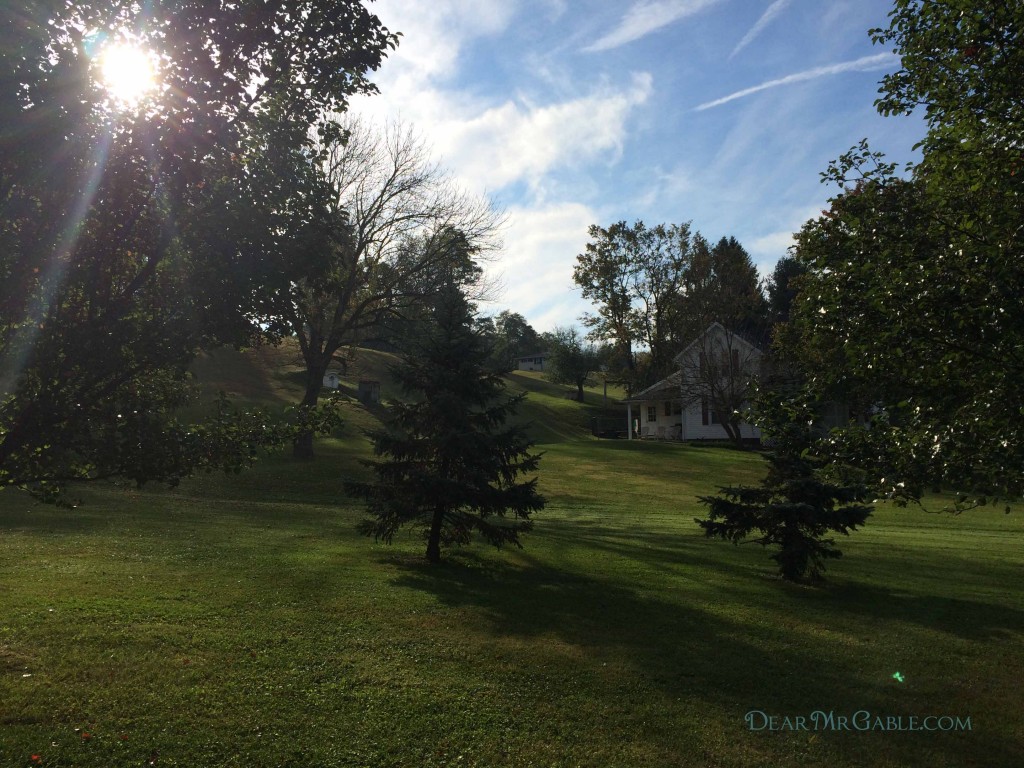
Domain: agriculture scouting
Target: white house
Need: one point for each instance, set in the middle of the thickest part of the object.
(534, 362)
(694, 402)
(331, 379)
(658, 411)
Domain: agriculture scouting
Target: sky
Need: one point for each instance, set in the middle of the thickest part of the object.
(568, 113)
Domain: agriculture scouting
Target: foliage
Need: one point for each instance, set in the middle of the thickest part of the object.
(572, 360)
(781, 288)
(634, 273)
(514, 338)
(792, 510)
(912, 297)
(104, 294)
(721, 285)
(450, 465)
(660, 287)
(388, 227)
(799, 502)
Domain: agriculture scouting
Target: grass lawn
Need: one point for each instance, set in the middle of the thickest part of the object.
(240, 621)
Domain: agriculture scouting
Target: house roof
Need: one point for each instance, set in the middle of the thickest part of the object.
(716, 325)
(667, 388)
(534, 354)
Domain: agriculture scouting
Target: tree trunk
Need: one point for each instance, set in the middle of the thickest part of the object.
(732, 429)
(579, 387)
(302, 447)
(434, 541)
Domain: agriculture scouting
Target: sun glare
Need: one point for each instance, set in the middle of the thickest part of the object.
(127, 72)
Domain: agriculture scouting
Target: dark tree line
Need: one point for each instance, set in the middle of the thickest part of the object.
(658, 288)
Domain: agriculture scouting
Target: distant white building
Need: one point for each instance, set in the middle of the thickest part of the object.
(534, 362)
(331, 380)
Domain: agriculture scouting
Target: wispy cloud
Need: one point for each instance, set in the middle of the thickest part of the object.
(766, 18)
(645, 17)
(435, 33)
(536, 268)
(517, 141)
(865, 64)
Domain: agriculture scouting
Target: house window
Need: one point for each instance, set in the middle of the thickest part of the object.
(709, 415)
(677, 409)
(652, 413)
(668, 408)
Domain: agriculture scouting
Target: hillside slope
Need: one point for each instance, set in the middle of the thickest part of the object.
(273, 377)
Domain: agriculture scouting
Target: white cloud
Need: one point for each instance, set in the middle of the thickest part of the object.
(489, 139)
(518, 141)
(433, 33)
(864, 64)
(645, 17)
(771, 246)
(768, 248)
(772, 11)
(536, 267)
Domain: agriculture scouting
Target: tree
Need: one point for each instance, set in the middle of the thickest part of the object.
(721, 285)
(450, 464)
(395, 229)
(792, 510)
(798, 503)
(605, 272)
(781, 288)
(634, 273)
(913, 285)
(572, 361)
(515, 337)
(101, 303)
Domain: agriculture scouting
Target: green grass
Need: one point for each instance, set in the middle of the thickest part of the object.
(240, 621)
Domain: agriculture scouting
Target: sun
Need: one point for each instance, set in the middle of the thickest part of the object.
(127, 71)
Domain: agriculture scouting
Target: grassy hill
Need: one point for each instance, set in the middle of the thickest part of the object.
(275, 375)
(241, 620)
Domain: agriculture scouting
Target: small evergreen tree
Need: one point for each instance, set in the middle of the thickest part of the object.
(797, 503)
(450, 464)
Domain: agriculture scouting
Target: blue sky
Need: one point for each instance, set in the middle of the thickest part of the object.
(569, 113)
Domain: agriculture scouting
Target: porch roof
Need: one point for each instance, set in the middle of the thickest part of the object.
(666, 389)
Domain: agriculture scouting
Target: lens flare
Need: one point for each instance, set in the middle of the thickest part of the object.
(127, 71)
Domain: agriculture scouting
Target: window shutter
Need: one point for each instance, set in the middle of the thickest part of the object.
(704, 411)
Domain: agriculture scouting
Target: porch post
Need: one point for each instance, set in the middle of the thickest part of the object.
(629, 421)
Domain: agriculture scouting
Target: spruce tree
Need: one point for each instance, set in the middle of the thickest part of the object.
(449, 462)
(799, 501)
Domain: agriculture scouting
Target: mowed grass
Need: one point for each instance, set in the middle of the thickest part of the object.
(241, 621)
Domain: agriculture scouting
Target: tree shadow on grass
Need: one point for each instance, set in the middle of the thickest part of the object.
(686, 649)
(730, 660)
(655, 549)
(964, 618)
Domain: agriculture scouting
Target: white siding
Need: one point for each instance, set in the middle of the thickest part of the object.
(697, 430)
(689, 360)
(661, 420)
